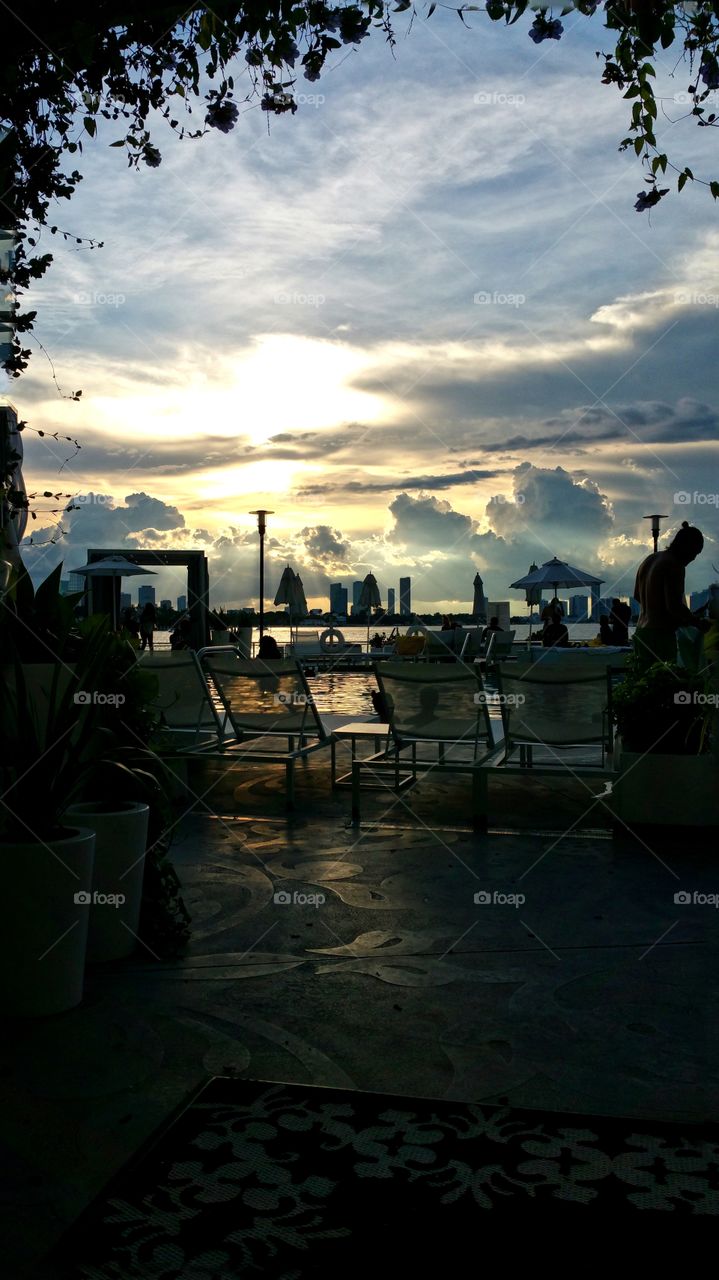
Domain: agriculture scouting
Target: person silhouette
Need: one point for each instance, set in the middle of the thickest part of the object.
(659, 588)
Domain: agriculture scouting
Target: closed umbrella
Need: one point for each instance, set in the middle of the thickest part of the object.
(369, 599)
(533, 596)
(113, 567)
(479, 608)
(291, 592)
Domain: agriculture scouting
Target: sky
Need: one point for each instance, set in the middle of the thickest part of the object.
(419, 320)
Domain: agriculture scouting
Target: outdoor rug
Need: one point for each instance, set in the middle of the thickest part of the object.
(290, 1181)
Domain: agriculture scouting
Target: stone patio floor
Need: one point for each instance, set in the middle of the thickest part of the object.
(594, 994)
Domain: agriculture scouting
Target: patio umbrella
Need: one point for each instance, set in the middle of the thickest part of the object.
(556, 573)
(113, 567)
(369, 599)
(292, 593)
(479, 608)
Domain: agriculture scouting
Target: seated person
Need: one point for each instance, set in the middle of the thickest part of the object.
(606, 635)
(619, 618)
(493, 626)
(555, 633)
(180, 635)
(268, 649)
(555, 606)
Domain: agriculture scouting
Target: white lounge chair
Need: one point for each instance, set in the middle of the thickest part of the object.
(265, 702)
(429, 706)
(190, 717)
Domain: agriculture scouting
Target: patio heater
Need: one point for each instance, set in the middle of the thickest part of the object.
(655, 526)
(262, 526)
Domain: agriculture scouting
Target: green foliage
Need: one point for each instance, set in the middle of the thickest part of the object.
(655, 709)
(65, 66)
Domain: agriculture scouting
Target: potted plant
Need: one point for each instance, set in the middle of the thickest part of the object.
(667, 746)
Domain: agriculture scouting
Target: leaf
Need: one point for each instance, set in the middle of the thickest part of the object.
(90, 126)
(714, 188)
(431, 9)
(120, 143)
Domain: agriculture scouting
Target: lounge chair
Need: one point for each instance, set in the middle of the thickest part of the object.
(265, 702)
(429, 706)
(189, 716)
(499, 645)
(556, 717)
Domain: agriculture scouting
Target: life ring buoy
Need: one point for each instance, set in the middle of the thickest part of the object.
(415, 629)
(330, 640)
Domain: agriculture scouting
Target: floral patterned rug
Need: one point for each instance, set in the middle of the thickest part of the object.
(291, 1181)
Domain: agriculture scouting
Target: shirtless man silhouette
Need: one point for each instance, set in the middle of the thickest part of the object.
(659, 588)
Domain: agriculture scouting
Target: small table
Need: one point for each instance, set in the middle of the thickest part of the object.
(354, 732)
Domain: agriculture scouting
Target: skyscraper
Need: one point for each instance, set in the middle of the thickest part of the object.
(390, 600)
(76, 582)
(338, 599)
(405, 597)
(146, 595)
(356, 593)
(579, 608)
(181, 604)
(125, 599)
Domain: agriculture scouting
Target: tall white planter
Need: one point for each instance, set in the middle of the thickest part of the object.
(43, 936)
(121, 839)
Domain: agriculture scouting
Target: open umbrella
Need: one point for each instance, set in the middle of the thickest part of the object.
(479, 607)
(556, 573)
(369, 599)
(113, 567)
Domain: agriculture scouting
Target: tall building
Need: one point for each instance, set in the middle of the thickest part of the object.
(405, 597)
(596, 611)
(181, 604)
(146, 595)
(356, 593)
(698, 598)
(76, 582)
(390, 600)
(166, 604)
(125, 600)
(579, 608)
(64, 586)
(338, 599)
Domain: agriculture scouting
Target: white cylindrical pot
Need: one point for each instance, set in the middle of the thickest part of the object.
(121, 839)
(43, 937)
